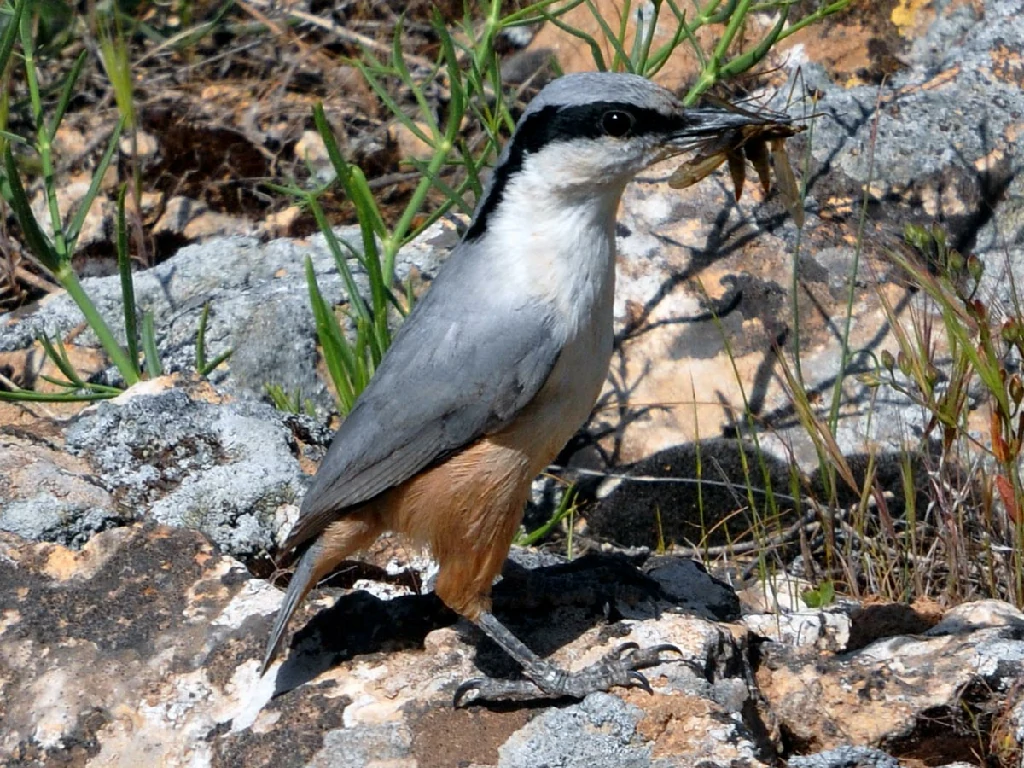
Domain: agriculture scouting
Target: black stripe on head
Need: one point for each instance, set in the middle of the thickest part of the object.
(553, 124)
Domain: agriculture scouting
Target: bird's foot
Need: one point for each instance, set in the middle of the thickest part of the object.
(548, 681)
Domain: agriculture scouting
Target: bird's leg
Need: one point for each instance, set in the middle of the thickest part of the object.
(547, 680)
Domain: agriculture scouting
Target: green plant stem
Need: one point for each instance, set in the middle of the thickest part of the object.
(818, 15)
(43, 146)
(711, 71)
(844, 351)
(27, 395)
(67, 278)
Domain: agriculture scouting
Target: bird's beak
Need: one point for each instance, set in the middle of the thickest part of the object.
(700, 124)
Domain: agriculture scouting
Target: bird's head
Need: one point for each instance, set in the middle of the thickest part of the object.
(588, 134)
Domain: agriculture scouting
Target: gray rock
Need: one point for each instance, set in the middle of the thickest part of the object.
(947, 149)
(599, 732)
(259, 308)
(359, 747)
(846, 757)
(147, 645)
(47, 495)
(226, 470)
(45, 518)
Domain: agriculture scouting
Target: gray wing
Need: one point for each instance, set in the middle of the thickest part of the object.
(465, 362)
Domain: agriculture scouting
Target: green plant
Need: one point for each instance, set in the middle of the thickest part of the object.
(566, 509)
(974, 351)
(824, 594)
(293, 403)
(204, 366)
(638, 55)
(55, 251)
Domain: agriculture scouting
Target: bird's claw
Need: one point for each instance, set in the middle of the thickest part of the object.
(640, 680)
(546, 681)
(618, 652)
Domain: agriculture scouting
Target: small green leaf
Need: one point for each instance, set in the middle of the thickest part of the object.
(37, 243)
(823, 595)
(154, 368)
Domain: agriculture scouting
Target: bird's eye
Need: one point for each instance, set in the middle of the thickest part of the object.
(617, 123)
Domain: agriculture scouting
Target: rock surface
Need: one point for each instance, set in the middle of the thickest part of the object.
(142, 648)
(258, 309)
(169, 452)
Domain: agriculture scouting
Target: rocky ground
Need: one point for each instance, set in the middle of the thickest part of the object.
(143, 648)
(134, 566)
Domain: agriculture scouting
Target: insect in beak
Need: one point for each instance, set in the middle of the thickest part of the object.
(761, 140)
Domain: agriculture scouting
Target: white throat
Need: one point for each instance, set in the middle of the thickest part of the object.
(557, 243)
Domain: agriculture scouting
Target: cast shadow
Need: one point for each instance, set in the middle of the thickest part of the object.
(546, 608)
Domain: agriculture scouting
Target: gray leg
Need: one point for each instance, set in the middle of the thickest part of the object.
(547, 681)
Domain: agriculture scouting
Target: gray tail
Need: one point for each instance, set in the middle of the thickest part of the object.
(302, 581)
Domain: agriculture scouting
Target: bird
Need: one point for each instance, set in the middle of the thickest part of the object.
(496, 368)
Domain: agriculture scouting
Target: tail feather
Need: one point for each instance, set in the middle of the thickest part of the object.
(303, 580)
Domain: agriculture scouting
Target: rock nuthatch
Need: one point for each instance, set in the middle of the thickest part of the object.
(498, 365)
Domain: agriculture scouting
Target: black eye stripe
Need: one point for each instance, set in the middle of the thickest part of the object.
(553, 124)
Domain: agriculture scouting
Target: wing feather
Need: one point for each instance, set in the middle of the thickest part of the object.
(461, 367)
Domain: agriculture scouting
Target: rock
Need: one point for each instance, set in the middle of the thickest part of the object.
(943, 135)
(146, 146)
(205, 224)
(176, 216)
(846, 757)
(165, 673)
(143, 647)
(913, 696)
(48, 495)
(230, 470)
(98, 224)
(116, 652)
(259, 308)
(411, 146)
(600, 731)
(822, 630)
(281, 223)
(603, 731)
(310, 149)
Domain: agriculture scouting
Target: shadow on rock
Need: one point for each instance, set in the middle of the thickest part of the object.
(357, 624)
(700, 494)
(688, 492)
(545, 607)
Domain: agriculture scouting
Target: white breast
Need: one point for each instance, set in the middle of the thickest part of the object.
(561, 252)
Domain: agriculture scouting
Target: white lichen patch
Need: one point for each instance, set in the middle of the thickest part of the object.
(255, 597)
